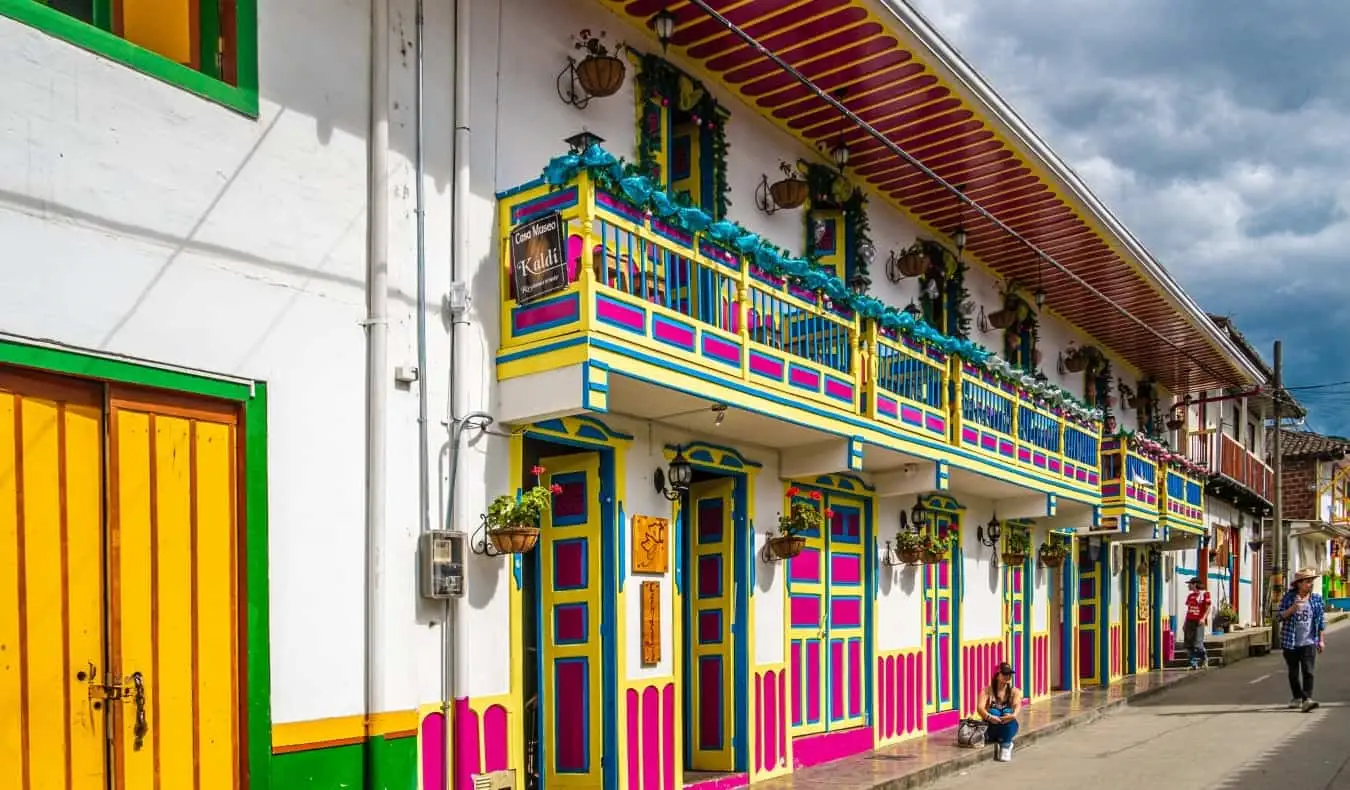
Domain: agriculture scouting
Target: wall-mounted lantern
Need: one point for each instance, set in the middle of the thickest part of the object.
(680, 474)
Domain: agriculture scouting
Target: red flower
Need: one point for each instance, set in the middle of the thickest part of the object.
(793, 491)
(538, 471)
(815, 495)
(556, 489)
(829, 513)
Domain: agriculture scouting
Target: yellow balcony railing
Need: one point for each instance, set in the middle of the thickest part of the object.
(678, 299)
(1181, 499)
(1129, 481)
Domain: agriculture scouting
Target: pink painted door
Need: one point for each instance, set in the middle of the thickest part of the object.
(569, 563)
(939, 612)
(713, 694)
(827, 621)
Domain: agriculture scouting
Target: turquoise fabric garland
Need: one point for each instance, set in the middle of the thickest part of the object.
(625, 180)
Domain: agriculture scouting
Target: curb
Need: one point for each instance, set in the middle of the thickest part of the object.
(932, 773)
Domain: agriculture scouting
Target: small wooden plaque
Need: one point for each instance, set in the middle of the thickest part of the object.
(650, 544)
(651, 623)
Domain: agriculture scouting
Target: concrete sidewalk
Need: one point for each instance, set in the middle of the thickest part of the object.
(919, 762)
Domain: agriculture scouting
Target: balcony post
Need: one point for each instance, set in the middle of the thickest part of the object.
(588, 264)
(951, 393)
(742, 310)
(858, 358)
(868, 372)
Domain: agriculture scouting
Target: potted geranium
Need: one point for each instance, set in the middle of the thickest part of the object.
(802, 516)
(935, 547)
(1224, 618)
(913, 262)
(1053, 552)
(790, 191)
(909, 545)
(513, 521)
(600, 71)
(1017, 543)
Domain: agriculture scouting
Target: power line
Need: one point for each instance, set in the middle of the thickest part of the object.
(1327, 385)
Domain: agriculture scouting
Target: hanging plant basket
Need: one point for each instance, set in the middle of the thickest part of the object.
(1002, 319)
(931, 557)
(788, 193)
(1036, 355)
(1075, 362)
(1255, 545)
(911, 556)
(600, 75)
(1013, 559)
(515, 539)
(785, 547)
(1175, 424)
(913, 263)
(1135, 402)
(1052, 560)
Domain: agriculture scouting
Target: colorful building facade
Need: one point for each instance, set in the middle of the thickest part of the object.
(740, 293)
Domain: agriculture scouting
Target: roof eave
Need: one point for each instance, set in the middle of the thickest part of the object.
(943, 52)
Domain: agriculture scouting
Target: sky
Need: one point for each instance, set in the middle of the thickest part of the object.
(1218, 131)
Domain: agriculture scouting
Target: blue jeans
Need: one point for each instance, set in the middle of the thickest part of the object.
(1193, 637)
(1001, 733)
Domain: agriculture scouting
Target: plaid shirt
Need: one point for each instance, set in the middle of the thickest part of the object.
(1318, 619)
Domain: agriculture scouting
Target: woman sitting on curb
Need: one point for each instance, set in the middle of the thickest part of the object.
(1304, 616)
(999, 708)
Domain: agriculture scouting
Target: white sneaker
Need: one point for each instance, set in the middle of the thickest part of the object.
(1309, 705)
(1007, 753)
(1295, 703)
(998, 752)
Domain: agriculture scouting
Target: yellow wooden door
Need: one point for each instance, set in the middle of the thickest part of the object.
(570, 585)
(51, 583)
(173, 593)
(712, 609)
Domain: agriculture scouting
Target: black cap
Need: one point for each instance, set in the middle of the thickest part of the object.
(1194, 580)
(1006, 669)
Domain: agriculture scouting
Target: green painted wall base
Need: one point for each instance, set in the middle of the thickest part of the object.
(392, 765)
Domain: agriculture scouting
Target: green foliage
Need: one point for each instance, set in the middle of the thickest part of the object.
(525, 509)
(824, 185)
(908, 540)
(1017, 540)
(804, 514)
(661, 85)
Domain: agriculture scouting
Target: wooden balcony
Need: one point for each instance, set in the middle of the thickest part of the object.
(1226, 457)
(645, 301)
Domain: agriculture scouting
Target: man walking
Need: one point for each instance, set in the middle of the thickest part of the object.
(1304, 616)
(1193, 630)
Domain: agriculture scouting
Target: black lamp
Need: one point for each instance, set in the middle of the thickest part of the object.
(913, 310)
(583, 140)
(959, 239)
(664, 25)
(680, 475)
(918, 515)
(989, 534)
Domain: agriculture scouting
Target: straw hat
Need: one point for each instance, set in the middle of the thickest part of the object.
(1306, 573)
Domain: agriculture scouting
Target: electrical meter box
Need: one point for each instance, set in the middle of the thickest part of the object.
(441, 561)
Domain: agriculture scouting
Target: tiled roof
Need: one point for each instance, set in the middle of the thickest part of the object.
(1299, 444)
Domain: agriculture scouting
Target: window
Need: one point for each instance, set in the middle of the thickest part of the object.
(682, 135)
(203, 46)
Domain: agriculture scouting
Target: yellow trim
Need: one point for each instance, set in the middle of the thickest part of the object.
(316, 733)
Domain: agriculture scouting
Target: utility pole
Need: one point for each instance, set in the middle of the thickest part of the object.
(1277, 570)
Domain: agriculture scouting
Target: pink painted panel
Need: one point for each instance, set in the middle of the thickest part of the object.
(495, 739)
(836, 678)
(846, 612)
(761, 721)
(797, 690)
(805, 567)
(569, 623)
(855, 673)
(813, 679)
(569, 564)
(710, 626)
(944, 611)
(773, 716)
(651, 738)
(782, 723)
(710, 521)
(572, 726)
(433, 752)
(668, 737)
(886, 693)
(944, 570)
(805, 611)
(711, 697)
(634, 740)
(466, 745)
(816, 749)
(846, 569)
(710, 576)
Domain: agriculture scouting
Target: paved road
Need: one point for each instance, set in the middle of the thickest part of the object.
(1228, 729)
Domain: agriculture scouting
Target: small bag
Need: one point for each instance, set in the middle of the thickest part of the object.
(971, 734)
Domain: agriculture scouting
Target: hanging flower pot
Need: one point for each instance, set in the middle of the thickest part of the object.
(785, 547)
(1075, 361)
(600, 75)
(911, 556)
(788, 193)
(1013, 559)
(600, 72)
(517, 539)
(804, 515)
(1174, 423)
(1052, 559)
(930, 557)
(1255, 545)
(913, 262)
(1002, 319)
(510, 520)
(1036, 355)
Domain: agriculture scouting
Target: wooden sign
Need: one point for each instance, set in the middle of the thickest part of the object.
(538, 258)
(651, 623)
(650, 544)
